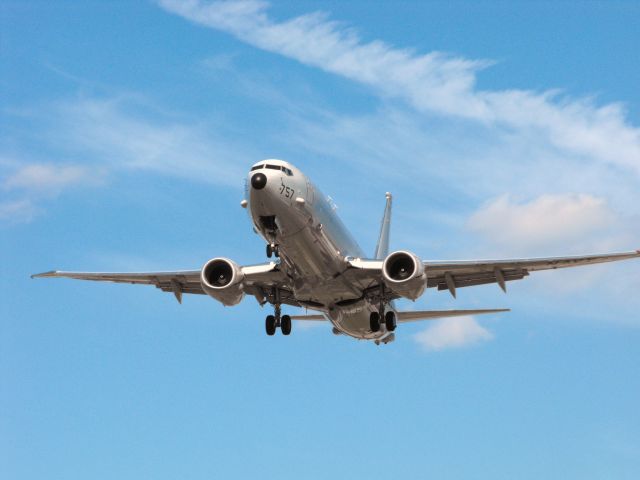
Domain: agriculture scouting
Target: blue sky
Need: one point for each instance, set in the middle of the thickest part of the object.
(502, 128)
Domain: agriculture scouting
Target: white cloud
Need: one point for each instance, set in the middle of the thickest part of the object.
(31, 184)
(46, 178)
(129, 133)
(18, 211)
(547, 220)
(452, 333)
(100, 136)
(433, 82)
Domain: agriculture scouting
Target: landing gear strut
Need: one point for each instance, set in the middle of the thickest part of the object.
(277, 320)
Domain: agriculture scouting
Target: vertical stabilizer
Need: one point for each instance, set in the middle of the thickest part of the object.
(382, 249)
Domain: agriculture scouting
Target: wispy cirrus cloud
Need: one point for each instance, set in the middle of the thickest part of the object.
(433, 83)
(18, 211)
(31, 184)
(46, 178)
(95, 138)
(450, 333)
(130, 133)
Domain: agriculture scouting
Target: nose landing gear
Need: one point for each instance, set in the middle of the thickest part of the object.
(272, 249)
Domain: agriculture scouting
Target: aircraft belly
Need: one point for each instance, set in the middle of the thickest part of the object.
(354, 321)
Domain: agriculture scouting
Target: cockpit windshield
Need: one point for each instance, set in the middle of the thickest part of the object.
(274, 167)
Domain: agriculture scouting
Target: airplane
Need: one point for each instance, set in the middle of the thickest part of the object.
(317, 265)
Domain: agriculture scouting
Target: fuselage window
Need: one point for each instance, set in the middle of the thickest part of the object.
(257, 167)
(287, 171)
(274, 167)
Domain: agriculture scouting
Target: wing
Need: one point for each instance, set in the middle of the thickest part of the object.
(259, 281)
(451, 275)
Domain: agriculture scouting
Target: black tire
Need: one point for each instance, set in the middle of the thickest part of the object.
(269, 251)
(374, 321)
(390, 321)
(270, 325)
(276, 251)
(285, 324)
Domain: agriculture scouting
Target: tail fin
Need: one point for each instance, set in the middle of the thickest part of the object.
(382, 249)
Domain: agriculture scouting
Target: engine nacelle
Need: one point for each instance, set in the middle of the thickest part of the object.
(221, 279)
(403, 272)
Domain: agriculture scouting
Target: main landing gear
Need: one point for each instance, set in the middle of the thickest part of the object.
(274, 321)
(389, 321)
(272, 249)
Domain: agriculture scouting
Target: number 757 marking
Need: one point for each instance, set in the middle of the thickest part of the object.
(287, 192)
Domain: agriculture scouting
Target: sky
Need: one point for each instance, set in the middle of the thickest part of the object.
(502, 128)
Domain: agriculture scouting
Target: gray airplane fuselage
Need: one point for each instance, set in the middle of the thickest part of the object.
(314, 245)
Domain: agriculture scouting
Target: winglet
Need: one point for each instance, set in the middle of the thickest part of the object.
(51, 273)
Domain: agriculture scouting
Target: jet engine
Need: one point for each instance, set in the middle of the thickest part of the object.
(404, 273)
(221, 279)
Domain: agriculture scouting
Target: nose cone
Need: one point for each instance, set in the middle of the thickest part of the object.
(259, 181)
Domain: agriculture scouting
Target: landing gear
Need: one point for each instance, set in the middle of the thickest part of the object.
(272, 249)
(285, 324)
(374, 322)
(270, 325)
(390, 320)
(276, 320)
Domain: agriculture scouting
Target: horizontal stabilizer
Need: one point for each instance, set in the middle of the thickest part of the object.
(404, 317)
(309, 318)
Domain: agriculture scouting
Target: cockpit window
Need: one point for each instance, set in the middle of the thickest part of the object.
(257, 167)
(277, 167)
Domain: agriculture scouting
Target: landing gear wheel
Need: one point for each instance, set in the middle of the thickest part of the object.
(269, 250)
(285, 324)
(390, 321)
(374, 321)
(276, 251)
(270, 325)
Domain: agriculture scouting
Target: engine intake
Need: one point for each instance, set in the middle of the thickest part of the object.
(403, 272)
(221, 279)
